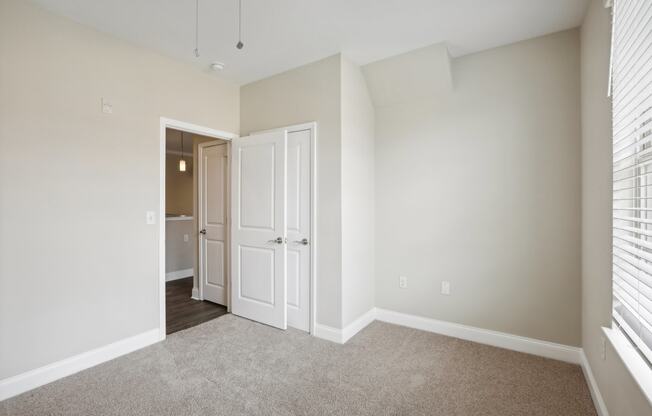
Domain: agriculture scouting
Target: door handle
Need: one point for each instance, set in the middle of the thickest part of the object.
(277, 240)
(203, 231)
(304, 241)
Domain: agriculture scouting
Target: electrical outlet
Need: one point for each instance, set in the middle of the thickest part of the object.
(445, 288)
(402, 282)
(185, 238)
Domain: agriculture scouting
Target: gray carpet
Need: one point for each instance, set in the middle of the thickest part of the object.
(231, 366)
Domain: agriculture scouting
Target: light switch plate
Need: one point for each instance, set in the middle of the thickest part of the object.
(107, 107)
(150, 217)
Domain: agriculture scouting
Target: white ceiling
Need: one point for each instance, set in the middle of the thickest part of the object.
(283, 34)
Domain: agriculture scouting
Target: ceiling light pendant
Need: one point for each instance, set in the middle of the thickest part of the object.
(239, 45)
(182, 162)
(196, 28)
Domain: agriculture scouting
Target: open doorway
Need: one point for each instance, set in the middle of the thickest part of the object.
(254, 253)
(195, 226)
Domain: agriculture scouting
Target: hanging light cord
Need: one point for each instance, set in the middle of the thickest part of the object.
(181, 145)
(239, 45)
(197, 28)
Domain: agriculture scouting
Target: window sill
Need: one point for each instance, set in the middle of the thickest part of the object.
(637, 367)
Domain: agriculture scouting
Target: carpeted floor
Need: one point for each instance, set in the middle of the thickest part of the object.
(231, 366)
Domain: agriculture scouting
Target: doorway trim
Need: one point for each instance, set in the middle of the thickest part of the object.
(312, 126)
(186, 127)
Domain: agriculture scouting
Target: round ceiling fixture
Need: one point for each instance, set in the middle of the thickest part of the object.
(217, 66)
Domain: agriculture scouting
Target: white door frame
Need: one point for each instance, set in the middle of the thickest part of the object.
(166, 123)
(227, 226)
(312, 126)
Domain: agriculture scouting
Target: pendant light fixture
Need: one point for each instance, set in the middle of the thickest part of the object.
(182, 162)
(239, 45)
(196, 28)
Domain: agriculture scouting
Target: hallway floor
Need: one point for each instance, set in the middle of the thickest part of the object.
(183, 312)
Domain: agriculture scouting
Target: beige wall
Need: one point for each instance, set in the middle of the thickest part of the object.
(179, 254)
(310, 93)
(178, 185)
(75, 187)
(180, 198)
(358, 280)
(619, 390)
(481, 187)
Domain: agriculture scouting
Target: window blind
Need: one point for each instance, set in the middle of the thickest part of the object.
(631, 92)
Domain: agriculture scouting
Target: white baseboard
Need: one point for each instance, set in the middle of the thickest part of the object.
(340, 336)
(328, 333)
(195, 294)
(598, 401)
(179, 274)
(32, 379)
(358, 325)
(484, 336)
(469, 333)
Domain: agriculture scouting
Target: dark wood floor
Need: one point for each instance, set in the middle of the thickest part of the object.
(182, 312)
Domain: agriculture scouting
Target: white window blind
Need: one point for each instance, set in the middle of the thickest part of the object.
(631, 91)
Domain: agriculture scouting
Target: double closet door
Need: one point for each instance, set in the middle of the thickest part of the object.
(271, 229)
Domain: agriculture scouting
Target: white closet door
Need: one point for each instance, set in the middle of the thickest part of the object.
(212, 222)
(258, 201)
(298, 229)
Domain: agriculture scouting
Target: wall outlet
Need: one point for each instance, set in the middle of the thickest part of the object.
(150, 217)
(185, 238)
(402, 282)
(445, 288)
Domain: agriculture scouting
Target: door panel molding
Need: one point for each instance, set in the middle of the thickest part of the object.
(314, 237)
(213, 213)
(259, 229)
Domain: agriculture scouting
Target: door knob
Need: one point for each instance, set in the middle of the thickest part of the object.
(277, 240)
(304, 241)
(203, 231)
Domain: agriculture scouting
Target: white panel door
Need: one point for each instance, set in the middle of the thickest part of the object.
(298, 229)
(212, 222)
(258, 206)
